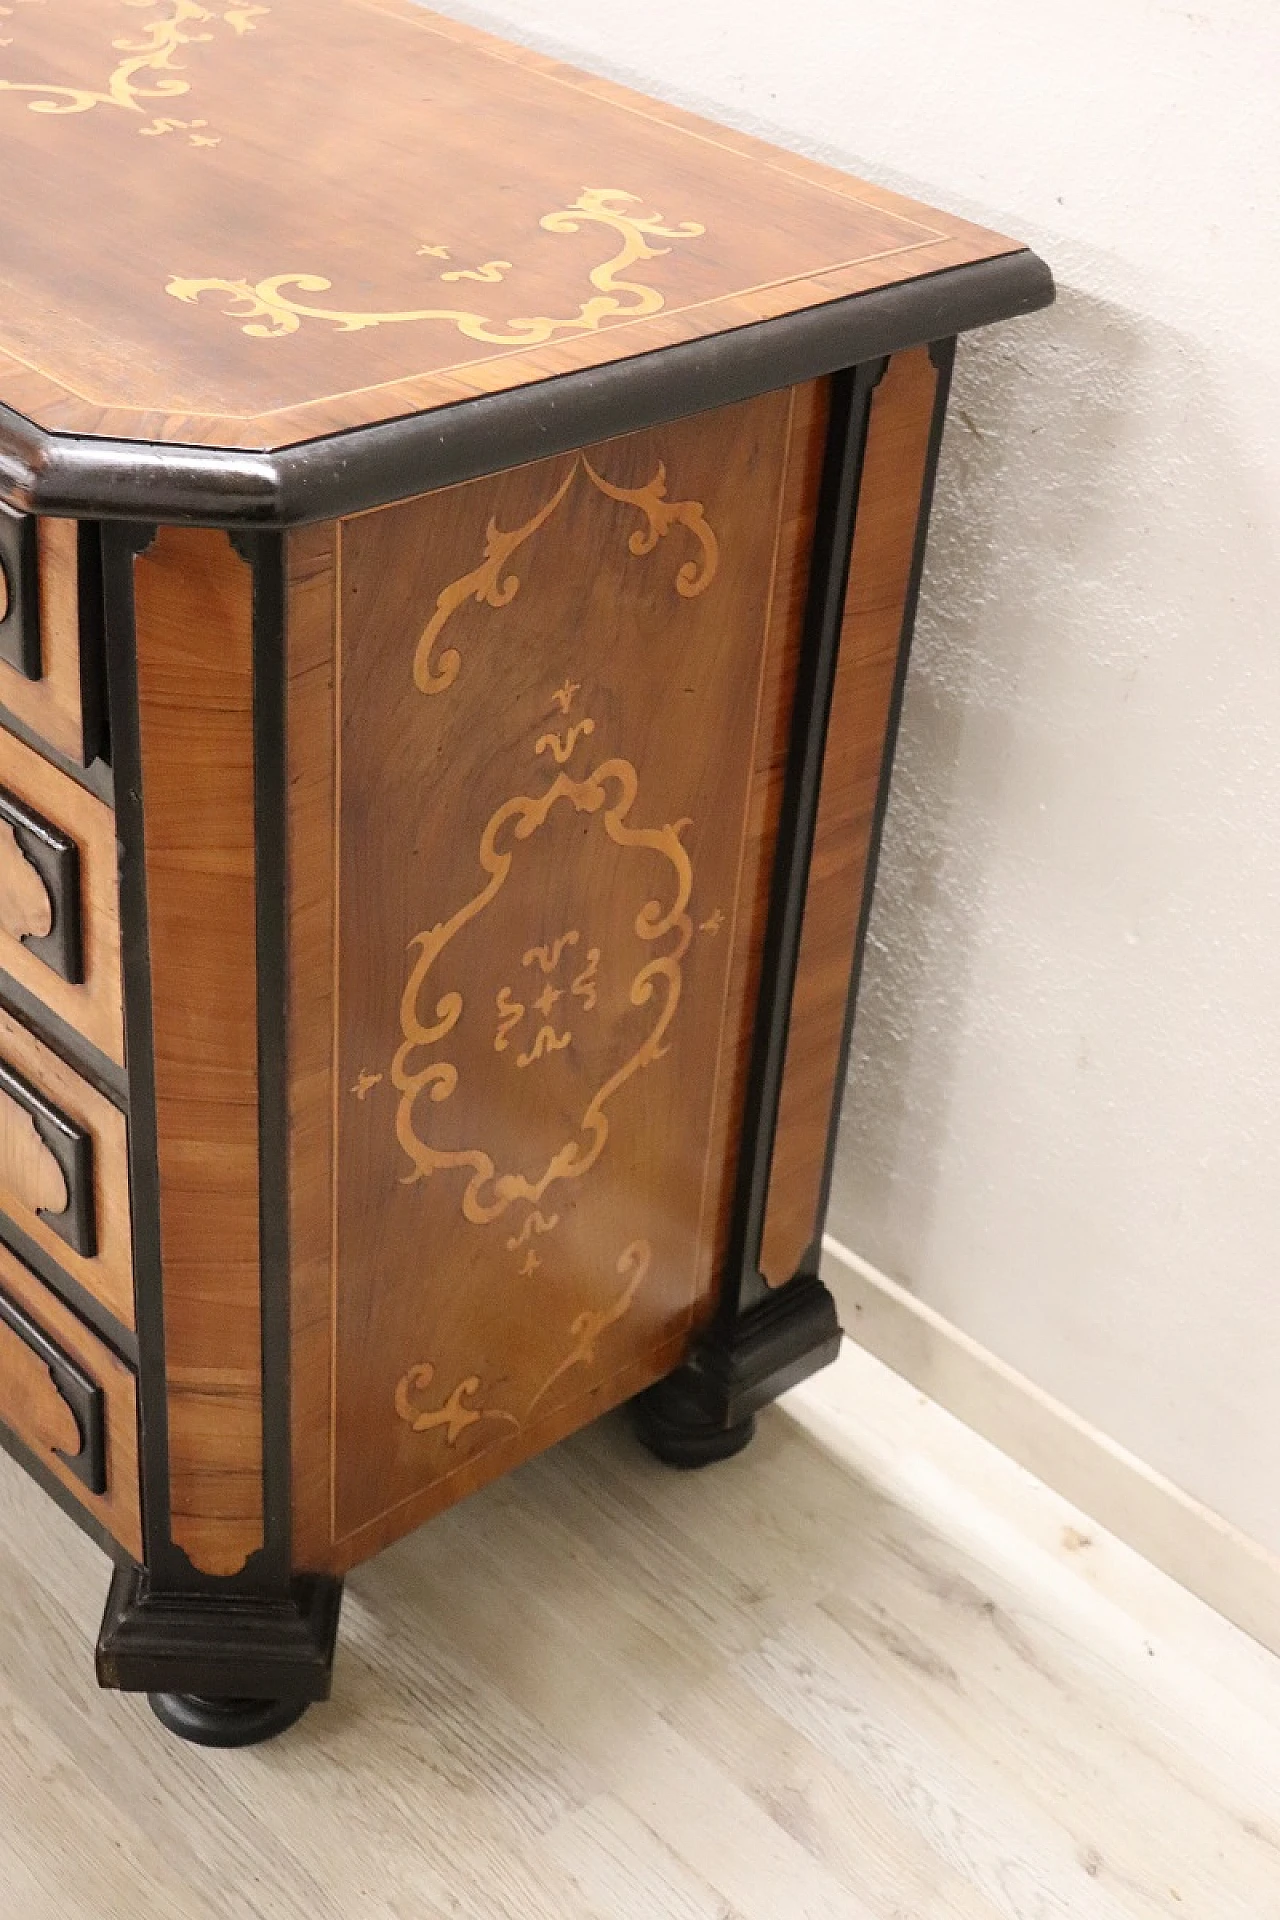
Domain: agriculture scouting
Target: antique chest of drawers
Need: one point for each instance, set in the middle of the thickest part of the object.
(460, 536)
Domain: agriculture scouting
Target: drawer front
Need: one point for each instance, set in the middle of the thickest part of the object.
(50, 631)
(19, 594)
(59, 911)
(64, 1176)
(70, 1400)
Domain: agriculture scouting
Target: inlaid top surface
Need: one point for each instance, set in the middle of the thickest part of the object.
(247, 225)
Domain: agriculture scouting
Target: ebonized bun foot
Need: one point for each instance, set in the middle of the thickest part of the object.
(680, 1435)
(704, 1411)
(220, 1647)
(224, 1723)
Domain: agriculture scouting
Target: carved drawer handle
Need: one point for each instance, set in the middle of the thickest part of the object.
(82, 1396)
(40, 888)
(46, 1162)
(19, 594)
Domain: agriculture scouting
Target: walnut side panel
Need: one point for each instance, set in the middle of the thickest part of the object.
(889, 504)
(557, 766)
(194, 614)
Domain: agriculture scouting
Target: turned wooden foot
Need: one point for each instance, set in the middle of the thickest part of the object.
(224, 1723)
(680, 1433)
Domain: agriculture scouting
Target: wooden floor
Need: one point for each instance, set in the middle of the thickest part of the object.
(868, 1669)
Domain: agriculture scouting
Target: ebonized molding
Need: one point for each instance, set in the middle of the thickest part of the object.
(371, 466)
(82, 1395)
(72, 1147)
(224, 1645)
(19, 595)
(56, 858)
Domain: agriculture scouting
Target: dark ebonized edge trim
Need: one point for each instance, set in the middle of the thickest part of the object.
(71, 1145)
(265, 552)
(942, 353)
(169, 1569)
(852, 392)
(120, 545)
(76, 1388)
(96, 778)
(94, 723)
(371, 466)
(55, 856)
(70, 1045)
(61, 1496)
(20, 619)
(68, 1289)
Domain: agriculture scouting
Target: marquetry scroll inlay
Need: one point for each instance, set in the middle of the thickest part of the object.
(433, 1004)
(28, 1169)
(150, 67)
(267, 312)
(490, 586)
(578, 979)
(455, 1414)
(25, 906)
(588, 1326)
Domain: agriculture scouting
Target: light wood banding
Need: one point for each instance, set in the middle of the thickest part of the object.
(889, 504)
(194, 614)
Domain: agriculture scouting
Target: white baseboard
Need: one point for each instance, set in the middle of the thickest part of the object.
(1195, 1546)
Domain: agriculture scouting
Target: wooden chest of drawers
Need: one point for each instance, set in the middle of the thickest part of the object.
(461, 531)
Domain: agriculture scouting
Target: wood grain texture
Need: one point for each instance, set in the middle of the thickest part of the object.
(194, 616)
(95, 1007)
(313, 587)
(30, 1402)
(768, 777)
(27, 1168)
(889, 504)
(295, 256)
(25, 906)
(31, 1405)
(108, 1274)
(560, 690)
(52, 706)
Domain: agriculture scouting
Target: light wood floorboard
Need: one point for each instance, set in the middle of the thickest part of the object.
(871, 1670)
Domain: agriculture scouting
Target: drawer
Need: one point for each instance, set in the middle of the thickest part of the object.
(59, 906)
(51, 631)
(70, 1400)
(64, 1173)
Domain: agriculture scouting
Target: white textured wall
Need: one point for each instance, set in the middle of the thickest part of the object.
(1064, 1124)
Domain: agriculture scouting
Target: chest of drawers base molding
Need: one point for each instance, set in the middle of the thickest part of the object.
(499, 717)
